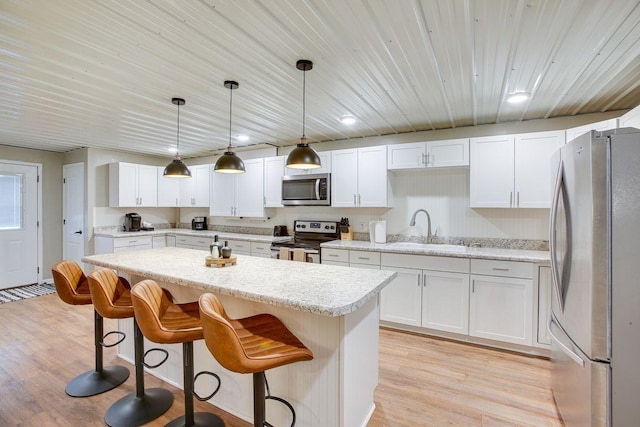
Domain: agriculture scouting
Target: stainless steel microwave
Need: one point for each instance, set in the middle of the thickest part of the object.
(306, 190)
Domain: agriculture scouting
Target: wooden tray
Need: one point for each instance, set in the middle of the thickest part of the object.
(220, 262)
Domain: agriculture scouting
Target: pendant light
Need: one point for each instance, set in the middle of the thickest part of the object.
(303, 156)
(177, 169)
(229, 162)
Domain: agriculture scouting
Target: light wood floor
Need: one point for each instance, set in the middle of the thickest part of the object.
(423, 381)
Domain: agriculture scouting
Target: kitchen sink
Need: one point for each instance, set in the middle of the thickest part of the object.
(427, 246)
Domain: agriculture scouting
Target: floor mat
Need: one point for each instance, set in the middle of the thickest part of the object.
(22, 292)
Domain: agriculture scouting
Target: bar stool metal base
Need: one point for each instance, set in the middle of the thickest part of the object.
(200, 419)
(95, 382)
(133, 410)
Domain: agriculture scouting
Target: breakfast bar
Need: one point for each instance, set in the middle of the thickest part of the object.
(332, 310)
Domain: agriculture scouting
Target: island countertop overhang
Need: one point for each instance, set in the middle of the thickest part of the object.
(316, 288)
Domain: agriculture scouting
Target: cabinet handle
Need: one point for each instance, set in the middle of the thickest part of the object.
(511, 199)
(231, 211)
(424, 161)
(518, 199)
(364, 257)
(140, 201)
(359, 199)
(419, 279)
(428, 159)
(424, 280)
(500, 269)
(354, 199)
(473, 286)
(333, 255)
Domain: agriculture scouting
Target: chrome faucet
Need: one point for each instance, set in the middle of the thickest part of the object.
(413, 223)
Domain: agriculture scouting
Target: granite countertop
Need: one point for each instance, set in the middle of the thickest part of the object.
(259, 238)
(316, 288)
(538, 257)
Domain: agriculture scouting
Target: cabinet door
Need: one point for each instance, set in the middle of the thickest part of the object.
(200, 178)
(544, 304)
(491, 172)
(249, 190)
(187, 191)
(573, 133)
(123, 189)
(147, 186)
(401, 300)
(372, 177)
(273, 172)
(168, 189)
(501, 309)
(239, 247)
(532, 168)
(406, 156)
(344, 178)
(630, 119)
(223, 194)
(449, 153)
(325, 166)
(445, 301)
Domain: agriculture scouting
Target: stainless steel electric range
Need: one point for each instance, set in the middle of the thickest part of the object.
(308, 235)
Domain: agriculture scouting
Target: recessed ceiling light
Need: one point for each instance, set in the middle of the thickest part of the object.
(242, 138)
(347, 119)
(517, 97)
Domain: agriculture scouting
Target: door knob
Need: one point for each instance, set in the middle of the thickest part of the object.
(78, 232)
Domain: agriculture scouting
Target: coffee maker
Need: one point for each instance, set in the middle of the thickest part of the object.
(199, 223)
(132, 222)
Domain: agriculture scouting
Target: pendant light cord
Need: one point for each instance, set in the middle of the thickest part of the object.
(178, 135)
(230, 104)
(304, 91)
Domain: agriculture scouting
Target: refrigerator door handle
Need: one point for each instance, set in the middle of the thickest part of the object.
(572, 355)
(555, 274)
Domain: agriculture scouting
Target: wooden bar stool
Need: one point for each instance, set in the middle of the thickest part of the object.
(250, 345)
(72, 288)
(164, 322)
(113, 300)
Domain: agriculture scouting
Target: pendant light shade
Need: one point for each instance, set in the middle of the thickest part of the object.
(303, 156)
(177, 169)
(229, 162)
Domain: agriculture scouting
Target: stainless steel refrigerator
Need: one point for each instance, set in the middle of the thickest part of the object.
(595, 264)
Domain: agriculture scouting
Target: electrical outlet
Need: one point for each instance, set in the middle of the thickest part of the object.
(362, 226)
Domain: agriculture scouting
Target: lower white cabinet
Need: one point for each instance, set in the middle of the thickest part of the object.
(106, 245)
(544, 304)
(259, 249)
(445, 301)
(501, 305)
(332, 256)
(401, 300)
(239, 247)
(193, 242)
(159, 242)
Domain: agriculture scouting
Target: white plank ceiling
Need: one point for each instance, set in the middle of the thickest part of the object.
(82, 73)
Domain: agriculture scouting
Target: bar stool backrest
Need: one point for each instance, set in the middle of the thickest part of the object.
(111, 298)
(71, 283)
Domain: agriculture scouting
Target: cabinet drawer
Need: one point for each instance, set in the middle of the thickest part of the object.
(488, 267)
(197, 241)
(132, 241)
(340, 255)
(364, 257)
(239, 246)
(426, 262)
(260, 248)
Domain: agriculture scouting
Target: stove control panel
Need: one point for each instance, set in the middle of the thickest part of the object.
(324, 227)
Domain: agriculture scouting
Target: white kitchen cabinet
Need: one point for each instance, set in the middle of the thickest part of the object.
(544, 304)
(106, 245)
(501, 302)
(431, 154)
(401, 300)
(168, 189)
(238, 247)
(359, 178)
(630, 119)
(194, 191)
(239, 195)
(158, 242)
(429, 291)
(573, 133)
(193, 242)
(332, 256)
(132, 185)
(260, 249)
(273, 172)
(512, 171)
(325, 166)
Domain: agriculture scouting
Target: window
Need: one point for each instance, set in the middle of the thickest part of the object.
(11, 201)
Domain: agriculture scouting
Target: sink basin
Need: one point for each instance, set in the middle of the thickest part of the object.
(427, 246)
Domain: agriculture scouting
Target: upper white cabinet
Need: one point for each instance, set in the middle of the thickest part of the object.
(512, 171)
(630, 119)
(168, 189)
(359, 177)
(132, 185)
(239, 195)
(273, 172)
(325, 166)
(432, 154)
(194, 191)
(573, 133)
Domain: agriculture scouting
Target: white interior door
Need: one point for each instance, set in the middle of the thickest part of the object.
(73, 210)
(18, 225)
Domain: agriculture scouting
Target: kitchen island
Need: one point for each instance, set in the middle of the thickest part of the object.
(332, 310)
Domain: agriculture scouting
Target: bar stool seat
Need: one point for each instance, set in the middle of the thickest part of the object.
(112, 299)
(250, 345)
(164, 322)
(73, 288)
